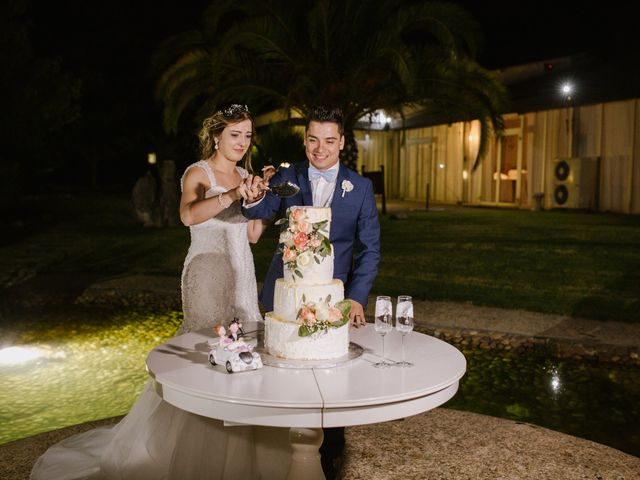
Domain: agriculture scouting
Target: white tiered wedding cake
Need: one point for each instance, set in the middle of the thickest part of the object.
(310, 316)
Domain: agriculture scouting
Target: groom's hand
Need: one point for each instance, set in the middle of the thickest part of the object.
(356, 316)
(268, 172)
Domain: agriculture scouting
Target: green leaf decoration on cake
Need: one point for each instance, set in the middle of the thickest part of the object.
(325, 246)
(304, 331)
(345, 307)
(297, 272)
(280, 221)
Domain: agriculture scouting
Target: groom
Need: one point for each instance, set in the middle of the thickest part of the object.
(355, 230)
(324, 182)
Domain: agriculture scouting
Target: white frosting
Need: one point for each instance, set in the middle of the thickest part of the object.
(317, 214)
(316, 285)
(287, 299)
(314, 274)
(282, 340)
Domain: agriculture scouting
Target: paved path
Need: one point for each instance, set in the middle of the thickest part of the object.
(440, 444)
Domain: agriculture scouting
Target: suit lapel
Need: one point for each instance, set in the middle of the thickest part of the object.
(302, 172)
(337, 192)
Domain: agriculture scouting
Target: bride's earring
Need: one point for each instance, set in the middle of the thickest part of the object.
(216, 145)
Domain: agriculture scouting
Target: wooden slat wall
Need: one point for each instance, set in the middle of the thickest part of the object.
(610, 131)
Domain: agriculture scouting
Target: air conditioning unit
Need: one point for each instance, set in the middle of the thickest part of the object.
(575, 182)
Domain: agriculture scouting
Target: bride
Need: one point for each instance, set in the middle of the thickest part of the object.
(159, 441)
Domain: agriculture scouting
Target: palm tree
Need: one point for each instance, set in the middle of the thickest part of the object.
(276, 144)
(363, 55)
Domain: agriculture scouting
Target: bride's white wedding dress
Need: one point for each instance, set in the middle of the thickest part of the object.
(158, 441)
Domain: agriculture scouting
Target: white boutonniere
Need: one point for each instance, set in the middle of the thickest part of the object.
(347, 186)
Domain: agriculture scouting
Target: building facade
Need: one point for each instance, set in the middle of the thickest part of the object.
(585, 157)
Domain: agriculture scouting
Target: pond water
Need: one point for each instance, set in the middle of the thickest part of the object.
(596, 401)
(74, 365)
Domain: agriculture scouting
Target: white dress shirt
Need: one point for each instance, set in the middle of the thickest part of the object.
(322, 189)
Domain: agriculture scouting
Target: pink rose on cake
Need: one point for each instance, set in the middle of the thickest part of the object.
(289, 254)
(305, 227)
(335, 315)
(307, 316)
(296, 214)
(300, 240)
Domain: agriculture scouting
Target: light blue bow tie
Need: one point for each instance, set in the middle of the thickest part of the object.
(328, 175)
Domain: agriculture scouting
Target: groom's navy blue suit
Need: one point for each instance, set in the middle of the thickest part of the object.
(354, 224)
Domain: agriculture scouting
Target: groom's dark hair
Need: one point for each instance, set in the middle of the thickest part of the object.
(326, 114)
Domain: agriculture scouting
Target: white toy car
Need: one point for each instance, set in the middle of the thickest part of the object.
(236, 356)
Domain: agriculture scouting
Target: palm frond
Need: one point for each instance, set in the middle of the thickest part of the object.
(360, 54)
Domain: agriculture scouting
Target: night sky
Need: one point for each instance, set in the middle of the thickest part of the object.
(86, 32)
(531, 31)
(108, 45)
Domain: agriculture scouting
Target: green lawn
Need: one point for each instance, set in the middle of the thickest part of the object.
(558, 262)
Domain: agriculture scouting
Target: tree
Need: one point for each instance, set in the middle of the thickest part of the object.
(38, 100)
(362, 55)
(278, 143)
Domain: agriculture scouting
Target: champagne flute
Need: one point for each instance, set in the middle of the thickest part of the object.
(404, 323)
(383, 325)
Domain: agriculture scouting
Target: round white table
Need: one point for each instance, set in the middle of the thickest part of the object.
(306, 400)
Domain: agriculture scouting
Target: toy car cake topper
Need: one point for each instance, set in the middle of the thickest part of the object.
(232, 350)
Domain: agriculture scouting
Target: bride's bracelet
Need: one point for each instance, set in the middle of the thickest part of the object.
(222, 204)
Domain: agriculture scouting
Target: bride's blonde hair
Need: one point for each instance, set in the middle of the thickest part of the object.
(213, 126)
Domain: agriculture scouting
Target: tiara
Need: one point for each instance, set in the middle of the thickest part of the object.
(234, 109)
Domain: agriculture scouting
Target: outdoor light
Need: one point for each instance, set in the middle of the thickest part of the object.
(378, 117)
(473, 131)
(285, 165)
(555, 382)
(151, 158)
(567, 90)
(18, 355)
(441, 165)
(465, 174)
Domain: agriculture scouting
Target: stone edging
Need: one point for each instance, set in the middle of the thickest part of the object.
(129, 298)
(560, 348)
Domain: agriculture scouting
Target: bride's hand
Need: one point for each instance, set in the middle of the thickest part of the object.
(241, 191)
(254, 188)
